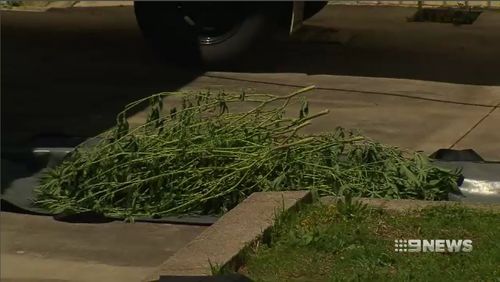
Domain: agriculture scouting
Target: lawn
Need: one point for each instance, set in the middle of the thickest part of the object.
(352, 242)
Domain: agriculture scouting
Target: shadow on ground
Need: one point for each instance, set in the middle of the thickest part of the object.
(65, 76)
(380, 42)
(66, 73)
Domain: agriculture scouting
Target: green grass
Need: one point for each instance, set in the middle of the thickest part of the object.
(355, 243)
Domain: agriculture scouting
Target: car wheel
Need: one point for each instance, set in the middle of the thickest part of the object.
(206, 33)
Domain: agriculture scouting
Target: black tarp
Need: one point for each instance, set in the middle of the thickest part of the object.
(21, 171)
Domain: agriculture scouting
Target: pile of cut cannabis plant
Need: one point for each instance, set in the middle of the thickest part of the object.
(199, 158)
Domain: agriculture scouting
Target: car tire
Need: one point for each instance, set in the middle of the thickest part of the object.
(311, 8)
(204, 33)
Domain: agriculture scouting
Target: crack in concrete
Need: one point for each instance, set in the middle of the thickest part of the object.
(475, 125)
(354, 91)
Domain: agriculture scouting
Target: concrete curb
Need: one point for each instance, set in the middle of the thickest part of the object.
(89, 4)
(222, 243)
(44, 6)
(40, 6)
(411, 205)
(413, 4)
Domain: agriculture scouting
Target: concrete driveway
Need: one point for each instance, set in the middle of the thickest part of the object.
(38, 248)
(420, 86)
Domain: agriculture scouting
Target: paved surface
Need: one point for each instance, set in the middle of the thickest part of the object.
(68, 72)
(37, 248)
(396, 112)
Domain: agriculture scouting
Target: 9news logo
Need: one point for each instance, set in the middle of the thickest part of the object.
(432, 246)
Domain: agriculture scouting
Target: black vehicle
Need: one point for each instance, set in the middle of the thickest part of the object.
(212, 33)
